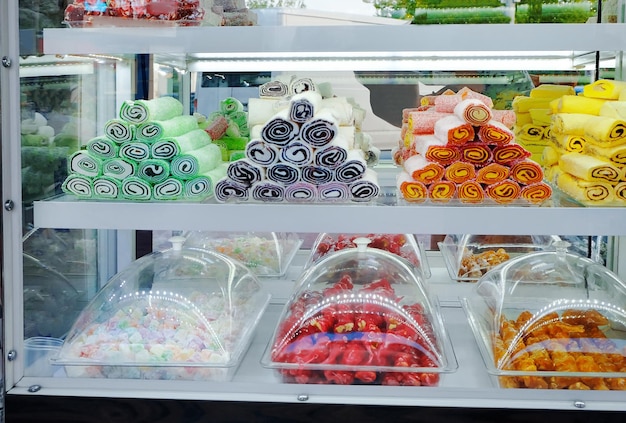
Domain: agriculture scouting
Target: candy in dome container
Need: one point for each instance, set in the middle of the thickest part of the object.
(183, 313)
(551, 320)
(403, 245)
(360, 316)
(468, 257)
(266, 254)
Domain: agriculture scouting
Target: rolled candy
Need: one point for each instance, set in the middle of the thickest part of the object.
(106, 187)
(320, 130)
(476, 153)
(301, 192)
(267, 191)
(366, 188)
(459, 172)
(317, 175)
(333, 191)
(423, 170)
(492, 173)
(470, 192)
(78, 185)
(169, 189)
(441, 191)
(411, 190)
(504, 192)
(261, 152)
(245, 172)
(454, 130)
(353, 168)
(495, 133)
(296, 153)
(473, 111)
(279, 130)
(283, 173)
(536, 193)
(509, 153)
(227, 190)
(526, 172)
(135, 151)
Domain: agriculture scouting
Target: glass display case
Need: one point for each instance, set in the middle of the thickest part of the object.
(383, 65)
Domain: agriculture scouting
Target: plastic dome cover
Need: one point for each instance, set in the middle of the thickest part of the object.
(468, 256)
(551, 320)
(360, 316)
(264, 253)
(178, 314)
(403, 245)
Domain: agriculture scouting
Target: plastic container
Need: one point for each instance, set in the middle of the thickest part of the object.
(51, 303)
(360, 316)
(469, 257)
(403, 245)
(266, 254)
(37, 352)
(551, 320)
(184, 313)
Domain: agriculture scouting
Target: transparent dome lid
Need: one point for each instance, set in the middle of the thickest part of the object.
(266, 254)
(360, 316)
(175, 314)
(468, 257)
(403, 245)
(551, 319)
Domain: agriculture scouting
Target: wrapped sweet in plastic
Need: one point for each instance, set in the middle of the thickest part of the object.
(360, 316)
(184, 313)
(551, 320)
(469, 257)
(403, 245)
(266, 254)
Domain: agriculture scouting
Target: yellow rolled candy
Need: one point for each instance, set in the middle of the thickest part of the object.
(570, 123)
(550, 156)
(605, 89)
(522, 119)
(620, 191)
(587, 192)
(570, 143)
(606, 131)
(589, 168)
(530, 132)
(577, 104)
(616, 154)
(551, 91)
(541, 116)
(522, 104)
(615, 109)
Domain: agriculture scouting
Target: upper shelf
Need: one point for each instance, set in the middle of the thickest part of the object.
(382, 40)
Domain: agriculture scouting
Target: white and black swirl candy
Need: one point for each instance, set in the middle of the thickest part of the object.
(366, 188)
(169, 189)
(135, 150)
(333, 191)
(320, 130)
(301, 110)
(135, 188)
(279, 130)
(301, 192)
(273, 89)
(330, 156)
(353, 168)
(106, 187)
(103, 148)
(119, 130)
(227, 190)
(267, 191)
(83, 163)
(297, 153)
(78, 185)
(283, 173)
(244, 172)
(261, 152)
(316, 175)
(301, 85)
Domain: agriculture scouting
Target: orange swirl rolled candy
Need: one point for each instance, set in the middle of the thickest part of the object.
(526, 172)
(423, 170)
(411, 189)
(504, 192)
(473, 111)
(441, 191)
(492, 173)
(470, 192)
(495, 133)
(459, 172)
(509, 153)
(536, 193)
(443, 155)
(454, 130)
(476, 153)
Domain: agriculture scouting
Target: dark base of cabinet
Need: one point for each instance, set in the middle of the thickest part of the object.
(43, 409)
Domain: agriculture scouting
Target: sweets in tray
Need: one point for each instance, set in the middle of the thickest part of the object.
(455, 146)
(360, 316)
(551, 320)
(305, 146)
(184, 313)
(266, 254)
(468, 257)
(142, 13)
(586, 155)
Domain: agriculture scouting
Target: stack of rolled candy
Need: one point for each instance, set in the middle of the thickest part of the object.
(456, 146)
(151, 152)
(586, 157)
(303, 148)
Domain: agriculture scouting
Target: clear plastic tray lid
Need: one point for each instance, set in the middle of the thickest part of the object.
(180, 307)
(360, 316)
(266, 254)
(403, 245)
(468, 257)
(551, 320)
